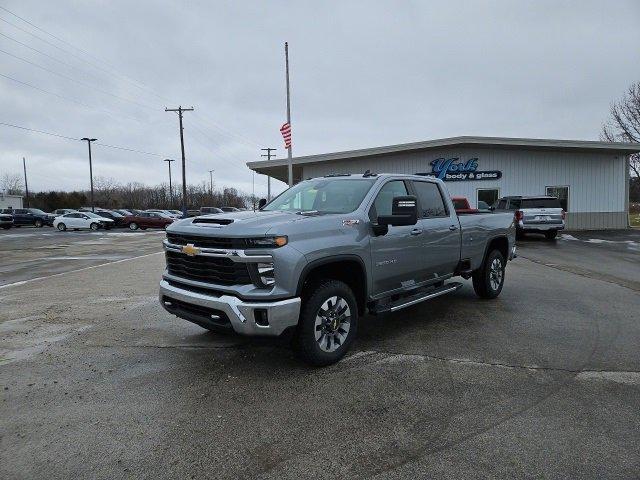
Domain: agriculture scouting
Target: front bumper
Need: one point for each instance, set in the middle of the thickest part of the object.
(226, 311)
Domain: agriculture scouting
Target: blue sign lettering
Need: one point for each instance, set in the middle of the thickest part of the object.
(452, 169)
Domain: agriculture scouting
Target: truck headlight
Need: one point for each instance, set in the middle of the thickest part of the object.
(265, 274)
(273, 242)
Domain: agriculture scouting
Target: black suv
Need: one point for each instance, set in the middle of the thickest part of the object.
(30, 216)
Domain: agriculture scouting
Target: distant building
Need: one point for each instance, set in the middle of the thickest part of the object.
(13, 201)
(591, 179)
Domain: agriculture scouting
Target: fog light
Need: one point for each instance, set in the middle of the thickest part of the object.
(261, 317)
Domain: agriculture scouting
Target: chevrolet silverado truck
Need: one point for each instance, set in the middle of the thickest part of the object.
(326, 251)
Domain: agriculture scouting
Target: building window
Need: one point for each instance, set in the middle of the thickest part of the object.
(562, 193)
(431, 202)
(488, 196)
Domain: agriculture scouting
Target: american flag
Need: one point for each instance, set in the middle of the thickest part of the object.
(285, 130)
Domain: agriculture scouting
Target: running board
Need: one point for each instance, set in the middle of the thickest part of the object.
(405, 302)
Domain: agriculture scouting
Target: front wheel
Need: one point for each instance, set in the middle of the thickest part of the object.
(133, 226)
(489, 278)
(328, 324)
(62, 227)
(38, 223)
(94, 226)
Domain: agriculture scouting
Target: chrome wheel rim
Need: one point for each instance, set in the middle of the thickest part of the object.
(495, 274)
(333, 321)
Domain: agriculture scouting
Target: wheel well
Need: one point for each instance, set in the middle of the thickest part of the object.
(501, 244)
(349, 271)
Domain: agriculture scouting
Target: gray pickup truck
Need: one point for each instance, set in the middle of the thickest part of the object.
(319, 256)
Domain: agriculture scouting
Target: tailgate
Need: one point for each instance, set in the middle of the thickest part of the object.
(541, 216)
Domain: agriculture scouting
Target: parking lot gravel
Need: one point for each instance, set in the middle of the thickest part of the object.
(98, 381)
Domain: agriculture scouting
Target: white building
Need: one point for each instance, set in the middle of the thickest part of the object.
(13, 201)
(590, 178)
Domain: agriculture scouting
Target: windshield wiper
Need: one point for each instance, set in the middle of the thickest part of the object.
(309, 212)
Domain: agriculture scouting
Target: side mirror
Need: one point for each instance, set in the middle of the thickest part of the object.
(404, 211)
(262, 203)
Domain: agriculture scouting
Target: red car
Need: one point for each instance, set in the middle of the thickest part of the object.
(144, 220)
(461, 204)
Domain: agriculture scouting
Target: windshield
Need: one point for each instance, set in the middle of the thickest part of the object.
(460, 204)
(323, 195)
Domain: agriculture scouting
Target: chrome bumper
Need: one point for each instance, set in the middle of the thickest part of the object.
(542, 227)
(280, 314)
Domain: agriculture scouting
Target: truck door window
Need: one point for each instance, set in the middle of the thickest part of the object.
(430, 198)
(384, 200)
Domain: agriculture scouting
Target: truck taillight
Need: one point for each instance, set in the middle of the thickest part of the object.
(519, 215)
(564, 214)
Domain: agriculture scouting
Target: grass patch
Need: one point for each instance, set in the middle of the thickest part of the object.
(634, 219)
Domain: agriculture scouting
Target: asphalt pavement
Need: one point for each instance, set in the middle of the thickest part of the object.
(97, 381)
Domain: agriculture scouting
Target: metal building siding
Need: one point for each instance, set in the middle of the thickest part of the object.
(595, 180)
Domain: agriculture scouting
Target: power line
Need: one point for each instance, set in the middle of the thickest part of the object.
(124, 77)
(79, 139)
(87, 85)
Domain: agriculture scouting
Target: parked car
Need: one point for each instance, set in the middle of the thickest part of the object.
(166, 213)
(324, 252)
(118, 220)
(540, 214)
(146, 220)
(81, 221)
(123, 212)
(461, 204)
(62, 211)
(6, 221)
(30, 216)
(193, 213)
(176, 212)
(229, 209)
(210, 210)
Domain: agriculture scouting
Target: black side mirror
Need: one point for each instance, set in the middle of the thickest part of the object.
(262, 203)
(404, 211)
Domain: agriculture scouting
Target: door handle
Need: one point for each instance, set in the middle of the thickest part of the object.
(416, 231)
(453, 227)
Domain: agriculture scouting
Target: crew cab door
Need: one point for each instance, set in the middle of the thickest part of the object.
(394, 255)
(440, 237)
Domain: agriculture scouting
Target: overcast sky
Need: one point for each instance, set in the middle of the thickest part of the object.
(363, 74)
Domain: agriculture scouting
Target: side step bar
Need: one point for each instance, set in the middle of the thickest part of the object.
(408, 301)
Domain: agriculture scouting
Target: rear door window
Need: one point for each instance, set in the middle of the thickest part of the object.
(431, 201)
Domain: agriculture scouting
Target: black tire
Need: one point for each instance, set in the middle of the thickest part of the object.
(62, 227)
(38, 223)
(551, 234)
(305, 342)
(133, 226)
(486, 283)
(94, 226)
(6, 227)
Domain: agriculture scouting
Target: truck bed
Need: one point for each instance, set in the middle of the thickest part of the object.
(478, 229)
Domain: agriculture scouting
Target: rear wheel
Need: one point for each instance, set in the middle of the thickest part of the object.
(62, 227)
(38, 223)
(551, 234)
(489, 278)
(328, 324)
(94, 226)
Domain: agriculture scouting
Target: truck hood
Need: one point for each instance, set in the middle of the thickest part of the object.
(238, 224)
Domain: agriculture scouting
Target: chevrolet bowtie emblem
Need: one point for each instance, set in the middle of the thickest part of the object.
(190, 250)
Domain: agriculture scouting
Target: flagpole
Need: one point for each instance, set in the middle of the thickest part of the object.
(289, 152)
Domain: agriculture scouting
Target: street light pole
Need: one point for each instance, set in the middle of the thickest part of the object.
(211, 183)
(169, 160)
(89, 140)
(180, 111)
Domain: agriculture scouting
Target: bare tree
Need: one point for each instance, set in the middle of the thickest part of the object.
(11, 183)
(624, 124)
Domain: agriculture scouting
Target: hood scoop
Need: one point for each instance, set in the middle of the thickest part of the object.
(214, 221)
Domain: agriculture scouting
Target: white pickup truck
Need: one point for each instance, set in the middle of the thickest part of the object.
(534, 214)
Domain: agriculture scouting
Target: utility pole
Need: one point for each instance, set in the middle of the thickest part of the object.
(289, 152)
(89, 140)
(169, 160)
(269, 155)
(180, 111)
(26, 186)
(211, 183)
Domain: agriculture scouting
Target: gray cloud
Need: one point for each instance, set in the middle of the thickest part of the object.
(363, 74)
